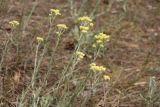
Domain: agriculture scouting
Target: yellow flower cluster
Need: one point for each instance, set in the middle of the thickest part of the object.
(106, 77)
(62, 27)
(100, 39)
(85, 19)
(84, 29)
(80, 55)
(85, 23)
(40, 39)
(54, 12)
(91, 24)
(14, 23)
(96, 68)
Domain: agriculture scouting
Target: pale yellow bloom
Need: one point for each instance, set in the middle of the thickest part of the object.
(62, 27)
(40, 39)
(106, 77)
(92, 64)
(91, 24)
(80, 55)
(14, 23)
(84, 29)
(96, 68)
(86, 22)
(99, 41)
(101, 68)
(84, 19)
(58, 33)
(101, 45)
(94, 45)
(54, 12)
(101, 38)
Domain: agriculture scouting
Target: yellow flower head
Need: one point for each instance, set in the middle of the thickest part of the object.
(102, 68)
(54, 12)
(40, 39)
(14, 23)
(91, 24)
(84, 19)
(99, 41)
(92, 64)
(101, 38)
(106, 77)
(86, 22)
(58, 33)
(94, 46)
(101, 45)
(84, 29)
(96, 68)
(80, 55)
(62, 27)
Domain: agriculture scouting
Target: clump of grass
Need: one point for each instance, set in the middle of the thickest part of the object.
(152, 99)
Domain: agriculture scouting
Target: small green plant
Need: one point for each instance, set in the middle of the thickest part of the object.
(152, 99)
(68, 74)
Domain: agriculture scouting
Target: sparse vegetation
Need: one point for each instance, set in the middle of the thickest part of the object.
(79, 53)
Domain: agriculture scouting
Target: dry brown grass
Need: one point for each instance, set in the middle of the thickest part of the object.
(132, 56)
